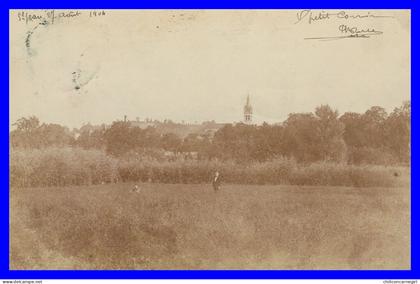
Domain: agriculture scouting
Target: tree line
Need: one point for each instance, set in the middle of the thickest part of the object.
(372, 137)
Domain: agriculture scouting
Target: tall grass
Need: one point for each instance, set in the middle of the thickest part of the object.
(60, 167)
(75, 166)
(178, 226)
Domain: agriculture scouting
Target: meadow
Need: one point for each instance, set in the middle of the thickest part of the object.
(189, 226)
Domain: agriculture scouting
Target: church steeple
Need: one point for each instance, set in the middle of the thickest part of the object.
(248, 111)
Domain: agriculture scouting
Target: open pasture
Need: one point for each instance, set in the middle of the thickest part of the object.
(178, 226)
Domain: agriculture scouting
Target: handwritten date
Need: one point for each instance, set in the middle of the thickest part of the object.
(50, 16)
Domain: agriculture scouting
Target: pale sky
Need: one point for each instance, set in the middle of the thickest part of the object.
(200, 65)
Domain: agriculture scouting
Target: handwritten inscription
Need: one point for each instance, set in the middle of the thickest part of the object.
(96, 13)
(351, 32)
(310, 16)
(44, 18)
(356, 30)
(50, 16)
(348, 23)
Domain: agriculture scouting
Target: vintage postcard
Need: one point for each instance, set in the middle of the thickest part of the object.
(210, 139)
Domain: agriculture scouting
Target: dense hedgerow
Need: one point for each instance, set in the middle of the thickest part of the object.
(60, 167)
(76, 166)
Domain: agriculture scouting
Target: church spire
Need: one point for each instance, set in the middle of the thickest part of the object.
(248, 111)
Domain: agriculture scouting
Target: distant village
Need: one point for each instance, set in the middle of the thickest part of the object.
(204, 129)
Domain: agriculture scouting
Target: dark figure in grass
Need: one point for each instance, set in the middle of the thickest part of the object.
(216, 181)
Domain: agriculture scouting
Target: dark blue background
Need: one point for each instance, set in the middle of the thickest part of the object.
(5, 273)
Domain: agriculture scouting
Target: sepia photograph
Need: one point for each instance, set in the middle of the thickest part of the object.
(210, 139)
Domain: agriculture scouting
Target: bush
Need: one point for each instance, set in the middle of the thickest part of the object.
(371, 156)
(60, 167)
(323, 173)
(75, 166)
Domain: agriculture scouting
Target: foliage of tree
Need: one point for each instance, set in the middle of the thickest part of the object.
(398, 131)
(118, 138)
(371, 137)
(29, 133)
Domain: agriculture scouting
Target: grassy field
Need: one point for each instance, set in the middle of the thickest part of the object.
(179, 226)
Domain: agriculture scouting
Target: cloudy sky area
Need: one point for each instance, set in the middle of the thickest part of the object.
(200, 65)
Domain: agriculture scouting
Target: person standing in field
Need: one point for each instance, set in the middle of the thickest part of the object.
(216, 181)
